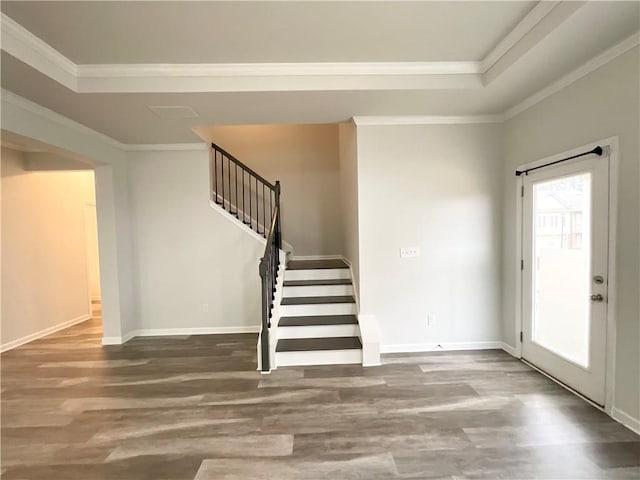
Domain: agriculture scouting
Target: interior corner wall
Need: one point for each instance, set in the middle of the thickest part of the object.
(45, 282)
(305, 159)
(600, 105)
(349, 198)
(438, 188)
(196, 268)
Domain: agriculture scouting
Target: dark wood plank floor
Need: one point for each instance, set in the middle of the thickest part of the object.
(195, 408)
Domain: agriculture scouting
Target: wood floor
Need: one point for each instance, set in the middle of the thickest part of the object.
(195, 408)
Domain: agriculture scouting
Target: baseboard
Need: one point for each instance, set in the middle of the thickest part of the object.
(43, 333)
(155, 332)
(435, 347)
(509, 349)
(173, 332)
(625, 419)
(316, 257)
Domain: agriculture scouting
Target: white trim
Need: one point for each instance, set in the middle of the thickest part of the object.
(170, 332)
(524, 26)
(37, 109)
(563, 82)
(155, 332)
(43, 333)
(353, 283)
(275, 69)
(513, 351)
(627, 420)
(362, 120)
(434, 347)
(26, 47)
(611, 144)
(610, 372)
(164, 147)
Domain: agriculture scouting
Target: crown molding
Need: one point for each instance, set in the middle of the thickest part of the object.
(245, 77)
(37, 109)
(276, 69)
(426, 120)
(167, 147)
(563, 82)
(26, 47)
(524, 26)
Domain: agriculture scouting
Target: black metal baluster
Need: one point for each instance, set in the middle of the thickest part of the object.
(250, 211)
(222, 177)
(235, 183)
(244, 213)
(229, 184)
(264, 214)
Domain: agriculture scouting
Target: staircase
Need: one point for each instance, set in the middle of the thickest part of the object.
(316, 321)
(318, 324)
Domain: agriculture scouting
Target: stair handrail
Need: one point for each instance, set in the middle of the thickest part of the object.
(230, 190)
(269, 266)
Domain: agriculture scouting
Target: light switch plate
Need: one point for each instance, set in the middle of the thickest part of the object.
(408, 252)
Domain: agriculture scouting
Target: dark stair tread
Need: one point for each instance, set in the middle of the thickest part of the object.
(316, 300)
(310, 344)
(318, 320)
(315, 264)
(312, 283)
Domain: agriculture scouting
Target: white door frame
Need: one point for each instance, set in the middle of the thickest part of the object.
(612, 144)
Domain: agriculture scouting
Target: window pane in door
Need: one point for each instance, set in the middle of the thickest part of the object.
(561, 266)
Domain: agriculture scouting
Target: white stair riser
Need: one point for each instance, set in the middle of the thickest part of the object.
(318, 357)
(319, 291)
(317, 274)
(317, 309)
(319, 331)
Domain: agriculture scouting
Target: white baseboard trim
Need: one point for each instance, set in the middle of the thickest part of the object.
(43, 333)
(625, 419)
(435, 347)
(172, 332)
(509, 349)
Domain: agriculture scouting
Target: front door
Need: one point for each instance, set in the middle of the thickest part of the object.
(565, 265)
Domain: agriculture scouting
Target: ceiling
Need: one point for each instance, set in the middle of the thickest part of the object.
(113, 60)
(239, 32)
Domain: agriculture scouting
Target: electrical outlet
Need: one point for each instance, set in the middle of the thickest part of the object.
(205, 307)
(431, 320)
(408, 252)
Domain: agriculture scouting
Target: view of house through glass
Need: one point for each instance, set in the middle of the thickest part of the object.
(562, 253)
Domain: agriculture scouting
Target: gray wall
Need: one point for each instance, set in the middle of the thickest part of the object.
(187, 253)
(436, 187)
(602, 104)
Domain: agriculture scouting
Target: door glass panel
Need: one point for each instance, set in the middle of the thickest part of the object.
(561, 261)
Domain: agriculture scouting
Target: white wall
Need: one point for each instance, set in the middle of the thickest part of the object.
(305, 159)
(187, 253)
(600, 105)
(349, 197)
(44, 256)
(436, 187)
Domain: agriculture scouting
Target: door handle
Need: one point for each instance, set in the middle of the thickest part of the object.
(597, 298)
